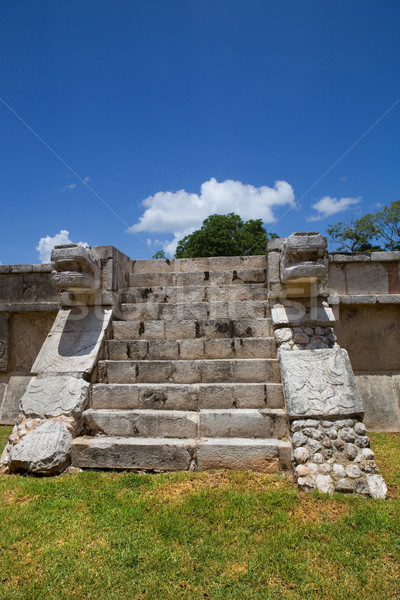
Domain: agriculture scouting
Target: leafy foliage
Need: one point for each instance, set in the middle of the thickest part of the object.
(381, 227)
(160, 254)
(224, 235)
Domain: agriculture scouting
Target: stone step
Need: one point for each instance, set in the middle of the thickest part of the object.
(163, 454)
(142, 423)
(245, 370)
(196, 293)
(207, 277)
(170, 396)
(191, 265)
(246, 423)
(195, 311)
(191, 329)
(191, 349)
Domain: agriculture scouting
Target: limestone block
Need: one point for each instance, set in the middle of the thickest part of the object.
(138, 349)
(142, 423)
(246, 423)
(117, 349)
(366, 278)
(274, 392)
(273, 267)
(44, 450)
(145, 396)
(162, 350)
(296, 313)
(243, 454)
(151, 454)
(247, 310)
(12, 398)
(74, 341)
(219, 348)
(337, 278)
(255, 348)
(191, 349)
(319, 383)
(380, 396)
(252, 328)
(179, 330)
(49, 395)
(228, 395)
(132, 330)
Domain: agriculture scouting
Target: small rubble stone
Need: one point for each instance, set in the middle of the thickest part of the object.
(298, 439)
(347, 434)
(332, 434)
(311, 423)
(303, 471)
(313, 467)
(325, 469)
(351, 451)
(306, 483)
(346, 486)
(377, 486)
(318, 458)
(301, 455)
(367, 454)
(360, 428)
(338, 470)
(360, 487)
(362, 441)
(325, 484)
(353, 471)
(314, 446)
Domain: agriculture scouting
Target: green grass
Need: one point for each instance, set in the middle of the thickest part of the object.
(226, 534)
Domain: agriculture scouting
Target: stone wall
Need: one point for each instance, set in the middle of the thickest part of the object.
(365, 296)
(28, 306)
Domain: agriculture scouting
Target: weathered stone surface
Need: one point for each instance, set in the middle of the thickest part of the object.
(142, 423)
(319, 383)
(74, 341)
(44, 450)
(243, 454)
(380, 394)
(325, 484)
(4, 337)
(51, 395)
(12, 398)
(377, 486)
(246, 423)
(150, 454)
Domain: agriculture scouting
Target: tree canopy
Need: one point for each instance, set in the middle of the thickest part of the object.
(225, 235)
(374, 231)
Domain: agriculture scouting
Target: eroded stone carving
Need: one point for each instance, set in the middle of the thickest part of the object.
(304, 258)
(54, 395)
(76, 268)
(319, 383)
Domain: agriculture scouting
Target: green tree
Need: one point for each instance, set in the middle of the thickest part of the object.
(375, 231)
(159, 254)
(224, 235)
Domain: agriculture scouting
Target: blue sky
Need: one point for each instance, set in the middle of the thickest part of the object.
(218, 99)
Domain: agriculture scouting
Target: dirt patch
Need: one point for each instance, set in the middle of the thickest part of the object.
(311, 510)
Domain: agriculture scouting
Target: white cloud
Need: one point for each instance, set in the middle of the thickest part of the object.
(46, 244)
(70, 186)
(86, 179)
(181, 213)
(327, 206)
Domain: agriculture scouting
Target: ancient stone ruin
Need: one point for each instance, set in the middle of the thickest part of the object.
(271, 362)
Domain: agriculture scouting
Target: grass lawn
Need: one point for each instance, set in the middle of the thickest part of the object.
(222, 534)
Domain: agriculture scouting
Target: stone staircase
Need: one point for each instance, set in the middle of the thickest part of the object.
(191, 379)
